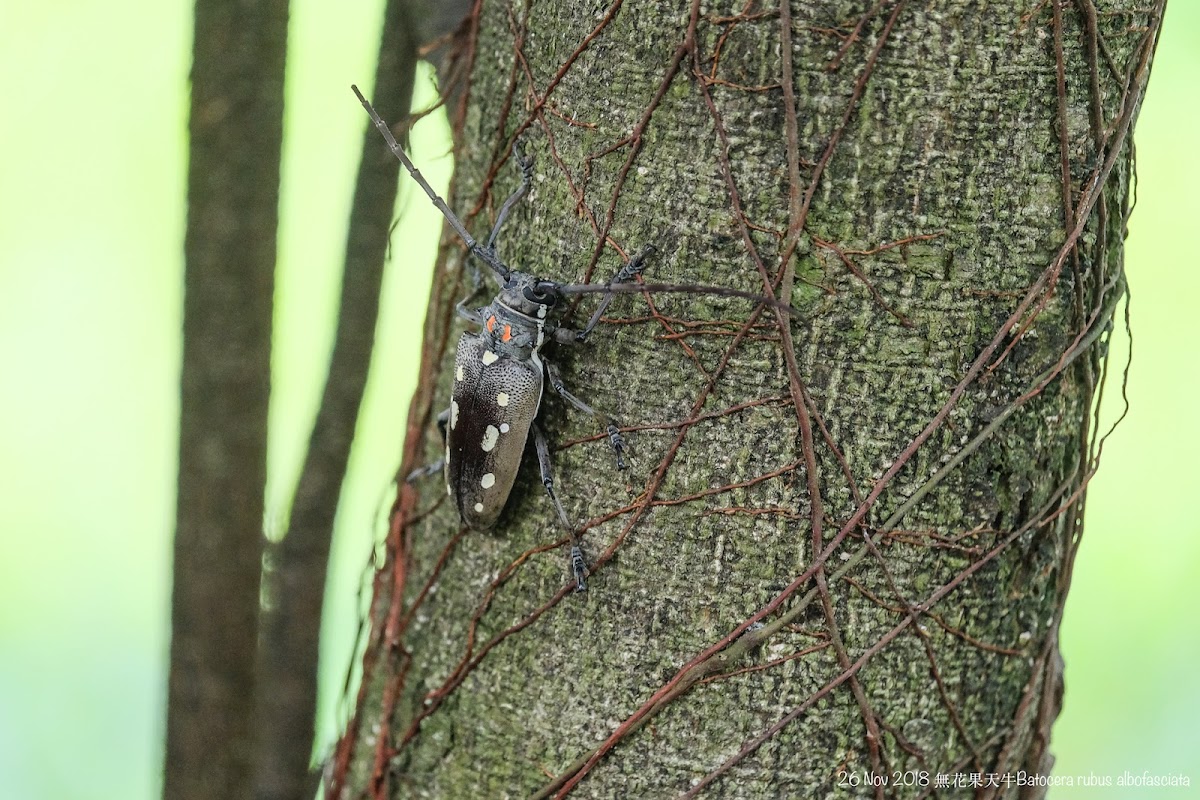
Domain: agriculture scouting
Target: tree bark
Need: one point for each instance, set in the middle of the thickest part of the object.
(842, 552)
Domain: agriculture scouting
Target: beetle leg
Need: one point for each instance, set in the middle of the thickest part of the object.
(526, 165)
(625, 274)
(432, 468)
(470, 314)
(543, 455)
(437, 466)
(615, 440)
(578, 563)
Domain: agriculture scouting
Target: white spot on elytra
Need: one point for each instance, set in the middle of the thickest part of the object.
(458, 373)
(489, 357)
(504, 427)
(502, 399)
(542, 311)
(490, 436)
(488, 480)
(453, 414)
(479, 508)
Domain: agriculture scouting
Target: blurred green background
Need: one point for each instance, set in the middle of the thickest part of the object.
(92, 165)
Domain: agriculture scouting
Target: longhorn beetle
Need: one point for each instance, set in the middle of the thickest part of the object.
(499, 372)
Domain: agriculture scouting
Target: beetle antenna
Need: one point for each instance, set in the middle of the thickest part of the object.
(676, 288)
(485, 254)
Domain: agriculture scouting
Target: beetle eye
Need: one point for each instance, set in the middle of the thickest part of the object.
(543, 293)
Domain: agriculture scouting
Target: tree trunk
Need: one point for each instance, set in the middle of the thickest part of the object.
(236, 127)
(841, 554)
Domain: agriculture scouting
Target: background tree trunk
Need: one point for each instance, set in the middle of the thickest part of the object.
(236, 129)
(296, 565)
(845, 542)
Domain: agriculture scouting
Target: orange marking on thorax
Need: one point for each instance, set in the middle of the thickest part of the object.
(490, 324)
(507, 333)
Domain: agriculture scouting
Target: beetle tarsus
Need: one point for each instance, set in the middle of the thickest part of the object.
(579, 568)
(617, 442)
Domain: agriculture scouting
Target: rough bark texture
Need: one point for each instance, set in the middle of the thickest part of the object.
(890, 484)
(236, 129)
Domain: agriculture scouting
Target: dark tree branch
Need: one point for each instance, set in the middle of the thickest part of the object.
(236, 127)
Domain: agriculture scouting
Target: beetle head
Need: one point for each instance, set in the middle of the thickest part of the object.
(530, 295)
